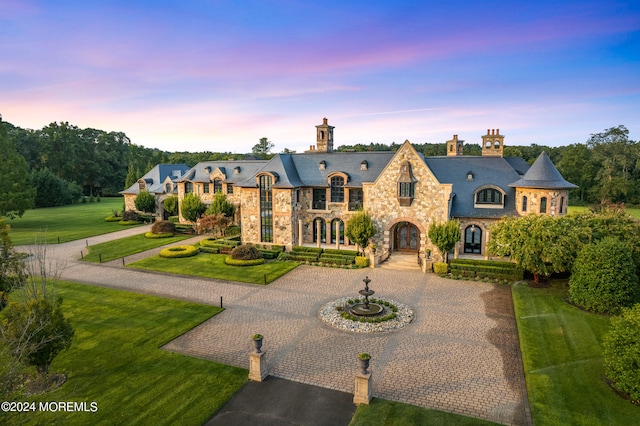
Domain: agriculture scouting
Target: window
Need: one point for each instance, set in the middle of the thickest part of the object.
(188, 187)
(543, 205)
(472, 239)
(524, 203)
(167, 187)
(355, 198)
(340, 235)
(319, 225)
(229, 188)
(217, 186)
(205, 188)
(561, 205)
(337, 189)
(406, 189)
(319, 199)
(489, 196)
(266, 209)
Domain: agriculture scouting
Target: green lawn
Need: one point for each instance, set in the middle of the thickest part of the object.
(129, 245)
(67, 223)
(390, 413)
(213, 266)
(562, 361)
(116, 362)
(632, 211)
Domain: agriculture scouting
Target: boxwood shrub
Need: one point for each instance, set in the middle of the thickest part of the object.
(212, 250)
(440, 268)
(621, 352)
(241, 262)
(362, 261)
(179, 251)
(306, 249)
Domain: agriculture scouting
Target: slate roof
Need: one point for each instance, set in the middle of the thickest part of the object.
(543, 175)
(155, 178)
(487, 172)
(296, 170)
(246, 170)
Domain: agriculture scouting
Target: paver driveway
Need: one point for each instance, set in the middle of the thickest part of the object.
(460, 354)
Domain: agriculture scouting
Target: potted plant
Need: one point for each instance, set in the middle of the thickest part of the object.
(364, 359)
(257, 342)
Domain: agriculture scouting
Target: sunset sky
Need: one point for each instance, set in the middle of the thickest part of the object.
(219, 75)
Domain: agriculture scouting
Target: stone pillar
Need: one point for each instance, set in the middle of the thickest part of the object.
(486, 240)
(299, 232)
(337, 235)
(257, 366)
(386, 245)
(362, 393)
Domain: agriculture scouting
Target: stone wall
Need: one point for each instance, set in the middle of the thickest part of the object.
(554, 198)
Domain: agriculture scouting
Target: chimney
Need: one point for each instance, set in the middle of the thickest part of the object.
(488, 131)
(455, 137)
(324, 121)
(497, 131)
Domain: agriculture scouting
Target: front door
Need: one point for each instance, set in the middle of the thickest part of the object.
(406, 237)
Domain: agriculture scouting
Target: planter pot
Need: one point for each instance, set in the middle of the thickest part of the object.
(364, 365)
(257, 343)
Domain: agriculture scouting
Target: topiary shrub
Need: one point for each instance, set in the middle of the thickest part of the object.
(621, 353)
(603, 279)
(242, 262)
(246, 252)
(179, 251)
(440, 268)
(152, 235)
(163, 227)
(362, 262)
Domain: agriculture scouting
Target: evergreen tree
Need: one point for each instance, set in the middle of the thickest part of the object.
(16, 192)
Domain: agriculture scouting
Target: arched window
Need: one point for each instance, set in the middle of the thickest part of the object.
(543, 205)
(322, 225)
(337, 189)
(496, 145)
(340, 234)
(217, 186)
(472, 239)
(524, 203)
(489, 196)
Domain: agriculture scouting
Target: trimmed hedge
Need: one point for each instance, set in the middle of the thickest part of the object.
(219, 243)
(351, 253)
(174, 219)
(152, 235)
(179, 251)
(304, 257)
(212, 250)
(270, 254)
(239, 262)
(306, 249)
(486, 269)
(621, 348)
(440, 268)
(337, 259)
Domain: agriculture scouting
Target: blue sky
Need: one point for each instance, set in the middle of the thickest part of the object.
(219, 75)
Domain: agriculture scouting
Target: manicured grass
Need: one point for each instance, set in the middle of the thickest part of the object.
(632, 211)
(213, 266)
(129, 245)
(561, 347)
(67, 223)
(390, 413)
(115, 361)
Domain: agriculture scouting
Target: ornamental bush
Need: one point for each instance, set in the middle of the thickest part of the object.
(130, 216)
(603, 279)
(362, 261)
(246, 252)
(242, 262)
(163, 227)
(440, 268)
(621, 352)
(152, 235)
(179, 251)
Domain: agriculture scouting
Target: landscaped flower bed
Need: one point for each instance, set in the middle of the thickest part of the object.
(179, 251)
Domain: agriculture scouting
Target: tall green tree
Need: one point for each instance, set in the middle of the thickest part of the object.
(221, 205)
(12, 266)
(16, 192)
(445, 236)
(360, 229)
(170, 205)
(263, 148)
(145, 202)
(192, 207)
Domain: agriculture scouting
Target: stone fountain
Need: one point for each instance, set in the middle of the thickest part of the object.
(366, 309)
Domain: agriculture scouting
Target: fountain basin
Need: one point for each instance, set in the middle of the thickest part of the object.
(360, 309)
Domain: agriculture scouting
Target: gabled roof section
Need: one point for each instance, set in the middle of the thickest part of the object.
(486, 171)
(543, 175)
(156, 177)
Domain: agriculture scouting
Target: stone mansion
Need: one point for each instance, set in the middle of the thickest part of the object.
(304, 199)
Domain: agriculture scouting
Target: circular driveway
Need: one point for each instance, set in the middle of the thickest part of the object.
(461, 353)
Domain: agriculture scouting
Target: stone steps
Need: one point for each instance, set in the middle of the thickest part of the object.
(402, 262)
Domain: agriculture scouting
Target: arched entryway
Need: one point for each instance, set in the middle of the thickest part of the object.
(473, 239)
(406, 237)
(319, 223)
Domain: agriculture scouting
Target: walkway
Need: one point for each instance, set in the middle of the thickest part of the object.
(460, 355)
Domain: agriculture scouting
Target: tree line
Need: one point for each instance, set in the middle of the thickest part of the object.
(61, 162)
